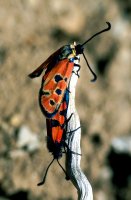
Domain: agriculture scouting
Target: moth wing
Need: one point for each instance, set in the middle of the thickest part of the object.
(53, 88)
(56, 127)
(51, 59)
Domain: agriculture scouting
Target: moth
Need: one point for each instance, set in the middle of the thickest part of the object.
(54, 93)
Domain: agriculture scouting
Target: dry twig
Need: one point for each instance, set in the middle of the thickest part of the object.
(73, 156)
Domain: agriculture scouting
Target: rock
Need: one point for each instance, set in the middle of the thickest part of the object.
(122, 144)
(27, 139)
(16, 120)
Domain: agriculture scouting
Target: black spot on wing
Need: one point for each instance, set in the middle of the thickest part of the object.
(52, 102)
(58, 78)
(63, 112)
(46, 93)
(65, 79)
(55, 123)
(58, 91)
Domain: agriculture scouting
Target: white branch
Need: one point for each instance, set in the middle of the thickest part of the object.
(73, 156)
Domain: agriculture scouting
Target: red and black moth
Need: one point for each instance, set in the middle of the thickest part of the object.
(54, 93)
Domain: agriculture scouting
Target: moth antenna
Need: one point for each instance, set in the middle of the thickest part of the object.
(80, 49)
(67, 177)
(104, 30)
(44, 179)
(95, 77)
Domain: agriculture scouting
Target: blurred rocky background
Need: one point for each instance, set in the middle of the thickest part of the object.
(30, 30)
